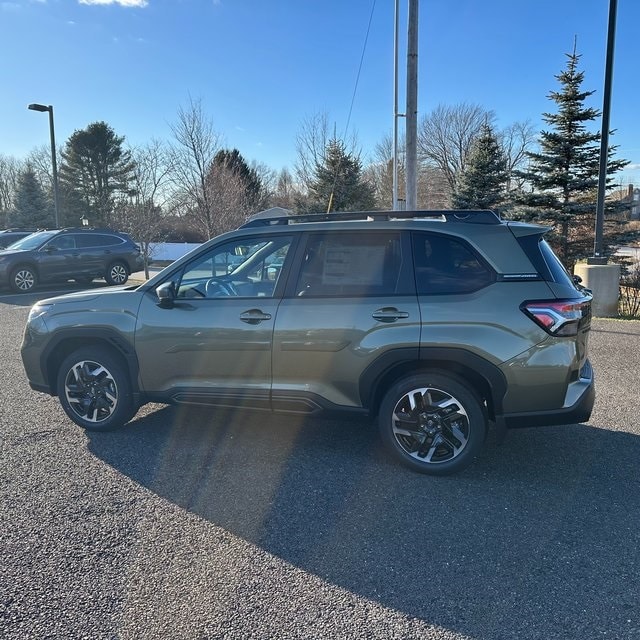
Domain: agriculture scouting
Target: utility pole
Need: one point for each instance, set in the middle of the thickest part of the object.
(412, 108)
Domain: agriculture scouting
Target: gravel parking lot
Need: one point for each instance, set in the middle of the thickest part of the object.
(200, 524)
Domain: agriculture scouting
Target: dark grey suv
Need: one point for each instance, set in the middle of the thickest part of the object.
(9, 236)
(438, 324)
(69, 254)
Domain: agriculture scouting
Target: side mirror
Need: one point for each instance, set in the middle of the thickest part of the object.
(166, 293)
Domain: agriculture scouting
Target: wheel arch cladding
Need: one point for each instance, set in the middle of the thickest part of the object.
(68, 342)
(485, 378)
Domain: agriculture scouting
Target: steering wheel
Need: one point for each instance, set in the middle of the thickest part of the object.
(216, 288)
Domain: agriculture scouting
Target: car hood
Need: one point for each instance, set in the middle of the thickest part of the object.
(13, 252)
(86, 296)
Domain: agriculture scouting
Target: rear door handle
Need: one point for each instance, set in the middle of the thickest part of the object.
(254, 316)
(389, 314)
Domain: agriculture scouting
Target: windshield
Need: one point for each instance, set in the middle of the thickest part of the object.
(33, 241)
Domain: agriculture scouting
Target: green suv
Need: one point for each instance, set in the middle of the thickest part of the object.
(437, 323)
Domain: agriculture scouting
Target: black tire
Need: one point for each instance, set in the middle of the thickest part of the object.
(23, 279)
(94, 389)
(433, 423)
(117, 273)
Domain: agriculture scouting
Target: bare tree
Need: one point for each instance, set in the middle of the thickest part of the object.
(433, 189)
(380, 171)
(39, 159)
(285, 191)
(515, 140)
(196, 144)
(446, 135)
(10, 170)
(228, 199)
(141, 213)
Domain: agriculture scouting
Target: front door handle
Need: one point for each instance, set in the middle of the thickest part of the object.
(254, 316)
(389, 314)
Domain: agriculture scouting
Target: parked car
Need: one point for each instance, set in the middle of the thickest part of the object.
(9, 236)
(438, 324)
(69, 254)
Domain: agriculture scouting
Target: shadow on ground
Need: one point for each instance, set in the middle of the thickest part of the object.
(539, 538)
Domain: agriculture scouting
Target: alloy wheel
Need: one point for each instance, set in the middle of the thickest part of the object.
(430, 425)
(91, 391)
(24, 280)
(118, 274)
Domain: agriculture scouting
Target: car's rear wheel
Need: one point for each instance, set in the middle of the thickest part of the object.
(432, 422)
(94, 389)
(117, 273)
(23, 279)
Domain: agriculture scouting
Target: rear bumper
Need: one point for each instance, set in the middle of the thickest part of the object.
(581, 397)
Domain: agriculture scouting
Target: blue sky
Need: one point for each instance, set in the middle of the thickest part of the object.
(261, 67)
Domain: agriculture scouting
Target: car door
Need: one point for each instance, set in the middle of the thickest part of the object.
(58, 258)
(93, 250)
(351, 311)
(213, 345)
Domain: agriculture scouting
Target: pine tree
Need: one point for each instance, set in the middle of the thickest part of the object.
(233, 161)
(338, 183)
(95, 168)
(564, 173)
(32, 208)
(483, 181)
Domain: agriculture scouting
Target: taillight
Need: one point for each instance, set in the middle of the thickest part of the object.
(560, 317)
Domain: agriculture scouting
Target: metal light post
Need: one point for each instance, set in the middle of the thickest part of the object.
(602, 278)
(396, 115)
(54, 164)
(598, 257)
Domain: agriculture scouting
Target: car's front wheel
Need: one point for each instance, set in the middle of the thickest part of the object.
(94, 389)
(117, 273)
(23, 279)
(432, 422)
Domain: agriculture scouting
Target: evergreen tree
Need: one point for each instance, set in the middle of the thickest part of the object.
(95, 168)
(564, 173)
(32, 208)
(484, 179)
(338, 183)
(233, 161)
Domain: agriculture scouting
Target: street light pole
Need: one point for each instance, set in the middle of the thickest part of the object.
(54, 163)
(598, 257)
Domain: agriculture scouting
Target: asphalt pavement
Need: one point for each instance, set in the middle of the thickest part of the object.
(220, 524)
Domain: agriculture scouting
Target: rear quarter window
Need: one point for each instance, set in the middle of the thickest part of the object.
(97, 240)
(545, 261)
(445, 265)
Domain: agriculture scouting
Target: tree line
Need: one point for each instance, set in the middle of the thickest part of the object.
(192, 187)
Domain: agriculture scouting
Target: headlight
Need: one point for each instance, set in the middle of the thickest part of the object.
(38, 310)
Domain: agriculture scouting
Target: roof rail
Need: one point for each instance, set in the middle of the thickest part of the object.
(482, 216)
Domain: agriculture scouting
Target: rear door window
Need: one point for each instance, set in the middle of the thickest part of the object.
(351, 264)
